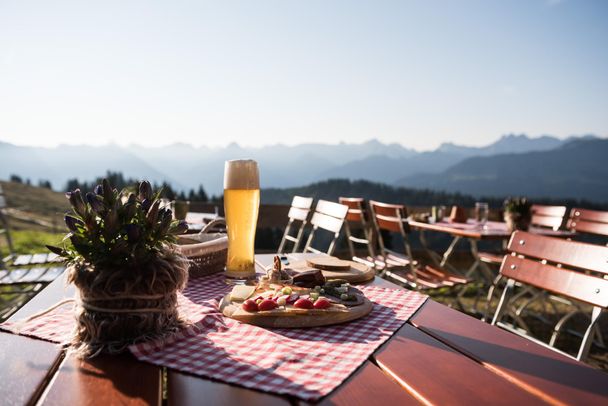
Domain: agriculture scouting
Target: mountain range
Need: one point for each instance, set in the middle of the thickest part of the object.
(514, 164)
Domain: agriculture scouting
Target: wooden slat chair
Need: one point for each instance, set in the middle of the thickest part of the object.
(542, 216)
(400, 266)
(4, 227)
(555, 265)
(585, 221)
(328, 216)
(300, 207)
(19, 285)
(359, 217)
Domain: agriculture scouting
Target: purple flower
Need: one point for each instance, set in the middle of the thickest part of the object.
(75, 198)
(99, 190)
(95, 202)
(145, 205)
(152, 215)
(145, 190)
(133, 232)
(73, 223)
(179, 227)
(108, 192)
(165, 213)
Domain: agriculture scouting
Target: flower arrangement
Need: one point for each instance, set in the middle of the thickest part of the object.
(122, 258)
(517, 213)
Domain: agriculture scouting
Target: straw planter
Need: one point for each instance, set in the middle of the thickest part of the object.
(120, 307)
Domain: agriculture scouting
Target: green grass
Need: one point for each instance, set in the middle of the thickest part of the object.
(30, 241)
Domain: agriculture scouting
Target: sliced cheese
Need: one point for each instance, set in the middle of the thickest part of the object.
(240, 293)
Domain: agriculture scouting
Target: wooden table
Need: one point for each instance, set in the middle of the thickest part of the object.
(471, 230)
(440, 356)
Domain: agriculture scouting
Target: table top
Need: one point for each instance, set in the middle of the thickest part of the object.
(494, 230)
(439, 356)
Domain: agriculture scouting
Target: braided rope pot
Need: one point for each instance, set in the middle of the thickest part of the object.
(119, 307)
(207, 252)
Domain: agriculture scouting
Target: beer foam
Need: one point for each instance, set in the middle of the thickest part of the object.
(241, 174)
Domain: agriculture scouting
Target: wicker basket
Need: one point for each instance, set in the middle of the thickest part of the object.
(208, 252)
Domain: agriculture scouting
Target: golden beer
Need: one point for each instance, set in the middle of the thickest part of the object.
(241, 205)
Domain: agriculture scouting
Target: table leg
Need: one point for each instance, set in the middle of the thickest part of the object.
(486, 272)
(440, 261)
(489, 278)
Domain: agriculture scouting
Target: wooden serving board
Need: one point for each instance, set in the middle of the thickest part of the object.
(328, 264)
(357, 273)
(320, 318)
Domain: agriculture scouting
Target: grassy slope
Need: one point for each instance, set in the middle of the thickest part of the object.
(39, 219)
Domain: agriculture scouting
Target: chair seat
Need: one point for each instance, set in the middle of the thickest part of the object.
(426, 277)
(491, 257)
(380, 263)
(376, 262)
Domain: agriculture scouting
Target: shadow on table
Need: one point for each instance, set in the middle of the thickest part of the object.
(131, 378)
(546, 367)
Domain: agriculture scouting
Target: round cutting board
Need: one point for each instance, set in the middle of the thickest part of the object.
(355, 273)
(318, 319)
(328, 264)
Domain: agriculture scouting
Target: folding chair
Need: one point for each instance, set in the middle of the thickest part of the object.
(300, 207)
(546, 263)
(4, 228)
(543, 217)
(590, 223)
(330, 217)
(401, 267)
(359, 218)
(584, 221)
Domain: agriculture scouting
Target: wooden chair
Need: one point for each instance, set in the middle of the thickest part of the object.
(328, 216)
(542, 216)
(401, 267)
(586, 221)
(4, 228)
(300, 207)
(548, 216)
(359, 217)
(555, 265)
(589, 223)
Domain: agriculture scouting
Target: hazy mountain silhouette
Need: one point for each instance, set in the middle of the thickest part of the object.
(67, 161)
(386, 169)
(576, 169)
(281, 166)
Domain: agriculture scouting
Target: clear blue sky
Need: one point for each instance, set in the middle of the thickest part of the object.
(260, 72)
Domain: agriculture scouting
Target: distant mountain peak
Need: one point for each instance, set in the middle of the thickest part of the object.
(508, 143)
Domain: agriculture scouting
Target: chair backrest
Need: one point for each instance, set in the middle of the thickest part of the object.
(544, 261)
(390, 217)
(588, 221)
(328, 216)
(356, 208)
(548, 216)
(555, 265)
(358, 215)
(300, 207)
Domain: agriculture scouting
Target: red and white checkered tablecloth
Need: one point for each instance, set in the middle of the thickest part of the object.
(305, 363)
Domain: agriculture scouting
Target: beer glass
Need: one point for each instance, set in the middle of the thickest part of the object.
(241, 204)
(481, 214)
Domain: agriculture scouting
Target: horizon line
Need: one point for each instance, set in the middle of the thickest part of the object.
(230, 144)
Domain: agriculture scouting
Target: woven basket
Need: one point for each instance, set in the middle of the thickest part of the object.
(208, 254)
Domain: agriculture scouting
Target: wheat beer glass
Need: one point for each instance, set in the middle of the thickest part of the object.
(241, 204)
